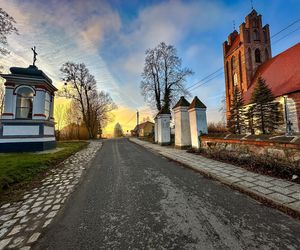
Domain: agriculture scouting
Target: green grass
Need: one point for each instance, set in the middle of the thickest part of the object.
(20, 168)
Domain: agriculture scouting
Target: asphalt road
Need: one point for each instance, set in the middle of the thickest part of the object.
(131, 198)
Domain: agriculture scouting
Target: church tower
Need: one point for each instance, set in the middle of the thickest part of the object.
(243, 53)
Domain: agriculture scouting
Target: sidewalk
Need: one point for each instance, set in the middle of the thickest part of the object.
(283, 194)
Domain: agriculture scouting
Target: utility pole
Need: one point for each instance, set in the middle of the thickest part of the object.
(137, 123)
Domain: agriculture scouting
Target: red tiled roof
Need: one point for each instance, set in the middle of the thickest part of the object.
(281, 73)
(234, 45)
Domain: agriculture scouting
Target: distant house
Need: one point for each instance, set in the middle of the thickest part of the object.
(145, 129)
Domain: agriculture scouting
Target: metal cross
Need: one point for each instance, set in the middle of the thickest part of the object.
(252, 4)
(34, 55)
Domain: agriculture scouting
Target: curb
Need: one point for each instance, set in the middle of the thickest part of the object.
(254, 194)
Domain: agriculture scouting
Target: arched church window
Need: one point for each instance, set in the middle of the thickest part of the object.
(255, 35)
(227, 74)
(240, 67)
(254, 23)
(24, 103)
(266, 54)
(265, 36)
(250, 59)
(257, 56)
(247, 36)
(233, 70)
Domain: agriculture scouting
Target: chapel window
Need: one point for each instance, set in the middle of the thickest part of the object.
(47, 105)
(24, 103)
(266, 54)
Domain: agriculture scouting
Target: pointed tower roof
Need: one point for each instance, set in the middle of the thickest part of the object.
(182, 103)
(196, 103)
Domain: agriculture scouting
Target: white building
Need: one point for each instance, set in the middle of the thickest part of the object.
(182, 124)
(27, 123)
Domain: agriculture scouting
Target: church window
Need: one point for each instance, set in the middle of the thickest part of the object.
(265, 36)
(24, 103)
(233, 69)
(255, 35)
(254, 23)
(240, 67)
(227, 74)
(257, 56)
(249, 59)
(247, 36)
(267, 54)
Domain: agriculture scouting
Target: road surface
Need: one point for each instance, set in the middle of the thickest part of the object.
(132, 198)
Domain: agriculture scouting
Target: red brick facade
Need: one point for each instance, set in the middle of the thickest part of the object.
(244, 52)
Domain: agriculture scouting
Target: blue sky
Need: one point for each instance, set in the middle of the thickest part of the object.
(112, 36)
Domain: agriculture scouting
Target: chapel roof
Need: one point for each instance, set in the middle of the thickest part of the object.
(281, 73)
(31, 72)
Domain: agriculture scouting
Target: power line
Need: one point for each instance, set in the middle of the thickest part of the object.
(290, 25)
(204, 78)
(203, 83)
(286, 35)
(194, 86)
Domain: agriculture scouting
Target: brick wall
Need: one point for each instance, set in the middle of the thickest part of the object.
(285, 151)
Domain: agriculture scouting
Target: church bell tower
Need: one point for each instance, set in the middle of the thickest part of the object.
(244, 52)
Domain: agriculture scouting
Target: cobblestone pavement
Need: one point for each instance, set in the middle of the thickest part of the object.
(280, 192)
(22, 222)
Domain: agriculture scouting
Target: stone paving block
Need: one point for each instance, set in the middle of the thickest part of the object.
(246, 184)
(5, 205)
(232, 179)
(262, 190)
(15, 230)
(281, 183)
(295, 205)
(4, 243)
(249, 179)
(9, 223)
(236, 174)
(47, 222)
(34, 238)
(25, 248)
(263, 184)
(3, 231)
(6, 217)
(22, 213)
(295, 196)
(281, 198)
(264, 178)
(281, 190)
(16, 242)
(294, 187)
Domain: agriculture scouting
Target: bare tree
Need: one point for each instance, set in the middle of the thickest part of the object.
(163, 77)
(94, 106)
(7, 27)
(102, 105)
(80, 86)
(118, 131)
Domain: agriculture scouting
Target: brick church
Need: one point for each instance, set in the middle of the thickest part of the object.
(248, 55)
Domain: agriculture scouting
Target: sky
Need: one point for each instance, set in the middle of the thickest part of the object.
(111, 38)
